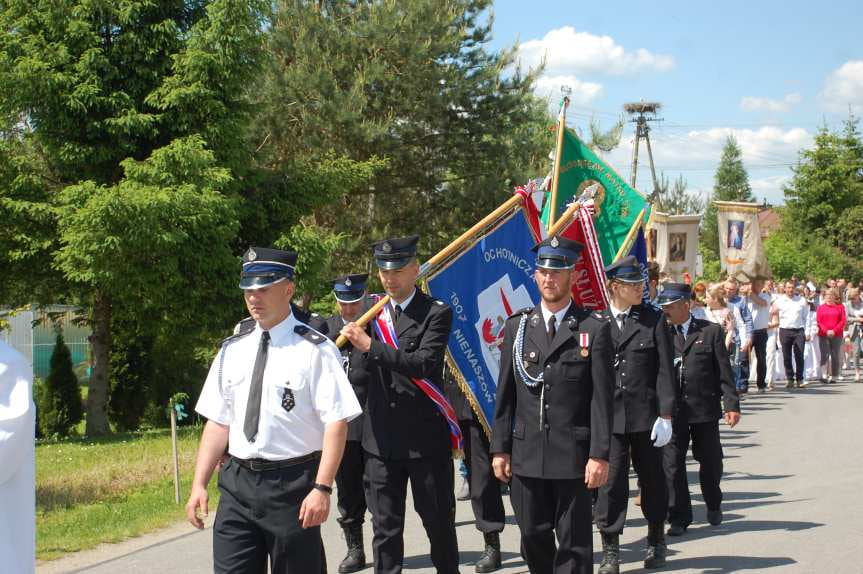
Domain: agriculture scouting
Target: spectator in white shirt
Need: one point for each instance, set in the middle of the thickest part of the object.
(793, 313)
(758, 304)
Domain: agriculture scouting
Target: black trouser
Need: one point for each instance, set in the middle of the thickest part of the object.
(707, 450)
(258, 515)
(759, 343)
(613, 497)
(831, 349)
(432, 485)
(349, 485)
(792, 339)
(485, 498)
(545, 507)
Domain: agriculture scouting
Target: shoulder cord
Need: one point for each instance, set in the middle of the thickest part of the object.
(526, 378)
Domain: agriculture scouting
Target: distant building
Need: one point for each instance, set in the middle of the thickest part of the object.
(768, 221)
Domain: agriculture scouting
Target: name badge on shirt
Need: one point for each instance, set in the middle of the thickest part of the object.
(288, 401)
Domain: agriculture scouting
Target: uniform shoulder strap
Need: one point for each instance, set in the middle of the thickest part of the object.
(309, 334)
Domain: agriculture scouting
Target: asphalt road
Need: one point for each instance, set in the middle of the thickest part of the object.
(793, 473)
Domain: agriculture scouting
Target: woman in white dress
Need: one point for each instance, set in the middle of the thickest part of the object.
(812, 349)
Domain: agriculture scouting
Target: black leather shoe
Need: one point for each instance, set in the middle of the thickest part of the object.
(676, 530)
(490, 559)
(714, 517)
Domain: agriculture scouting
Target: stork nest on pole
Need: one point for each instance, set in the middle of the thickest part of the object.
(642, 107)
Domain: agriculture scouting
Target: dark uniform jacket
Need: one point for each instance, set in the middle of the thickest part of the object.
(576, 402)
(356, 369)
(706, 374)
(645, 385)
(401, 421)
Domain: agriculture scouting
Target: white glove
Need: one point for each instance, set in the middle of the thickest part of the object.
(661, 432)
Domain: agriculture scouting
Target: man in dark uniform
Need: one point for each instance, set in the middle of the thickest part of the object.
(703, 370)
(644, 396)
(350, 293)
(552, 426)
(276, 398)
(485, 497)
(405, 437)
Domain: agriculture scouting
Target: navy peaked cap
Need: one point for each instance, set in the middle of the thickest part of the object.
(557, 252)
(626, 269)
(673, 292)
(350, 288)
(396, 252)
(264, 266)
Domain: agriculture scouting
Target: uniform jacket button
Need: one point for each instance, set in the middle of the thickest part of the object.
(546, 405)
(547, 387)
(392, 405)
(547, 426)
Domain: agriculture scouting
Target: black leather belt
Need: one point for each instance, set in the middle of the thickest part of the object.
(263, 465)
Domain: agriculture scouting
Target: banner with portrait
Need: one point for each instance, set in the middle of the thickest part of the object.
(741, 251)
(673, 241)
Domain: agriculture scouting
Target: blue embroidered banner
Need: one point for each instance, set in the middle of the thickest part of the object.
(639, 251)
(485, 285)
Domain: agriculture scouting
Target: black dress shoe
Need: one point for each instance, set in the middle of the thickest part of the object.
(714, 517)
(676, 530)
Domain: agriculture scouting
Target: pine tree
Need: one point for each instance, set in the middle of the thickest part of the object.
(59, 397)
(674, 198)
(731, 183)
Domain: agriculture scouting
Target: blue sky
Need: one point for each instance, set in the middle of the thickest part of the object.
(769, 72)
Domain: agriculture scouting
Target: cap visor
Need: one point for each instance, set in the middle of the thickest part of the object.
(553, 264)
(391, 264)
(251, 282)
(348, 297)
(668, 301)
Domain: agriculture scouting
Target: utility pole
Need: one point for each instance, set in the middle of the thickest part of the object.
(640, 113)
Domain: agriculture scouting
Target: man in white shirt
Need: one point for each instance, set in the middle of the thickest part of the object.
(278, 401)
(758, 305)
(17, 464)
(793, 313)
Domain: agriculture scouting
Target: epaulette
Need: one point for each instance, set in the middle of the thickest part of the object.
(521, 312)
(309, 334)
(439, 302)
(241, 329)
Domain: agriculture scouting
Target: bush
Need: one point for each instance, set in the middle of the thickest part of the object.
(59, 396)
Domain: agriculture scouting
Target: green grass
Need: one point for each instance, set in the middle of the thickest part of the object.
(92, 491)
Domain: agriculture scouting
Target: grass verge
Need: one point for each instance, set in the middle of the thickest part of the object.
(93, 491)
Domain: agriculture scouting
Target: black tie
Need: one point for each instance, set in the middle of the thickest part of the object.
(398, 312)
(552, 331)
(679, 341)
(621, 320)
(253, 406)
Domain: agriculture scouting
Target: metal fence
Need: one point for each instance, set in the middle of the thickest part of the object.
(33, 333)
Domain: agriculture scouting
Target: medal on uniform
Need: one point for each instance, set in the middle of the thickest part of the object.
(584, 342)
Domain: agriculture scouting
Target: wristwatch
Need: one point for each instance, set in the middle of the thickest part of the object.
(323, 488)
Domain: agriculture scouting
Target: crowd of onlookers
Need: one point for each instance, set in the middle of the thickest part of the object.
(792, 331)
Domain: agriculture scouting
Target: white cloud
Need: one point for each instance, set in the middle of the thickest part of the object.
(582, 93)
(756, 104)
(569, 52)
(768, 153)
(844, 87)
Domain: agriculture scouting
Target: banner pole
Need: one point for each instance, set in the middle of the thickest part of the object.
(624, 247)
(565, 219)
(555, 179)
(442, 255)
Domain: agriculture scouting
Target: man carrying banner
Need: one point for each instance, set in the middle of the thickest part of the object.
(406, 436)
(704, 371)
(644, 399)
(350, 293)
(552, 425)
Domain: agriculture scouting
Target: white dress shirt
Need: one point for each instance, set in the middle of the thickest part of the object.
(17, 464)
(558, 316)
(615, 312)
(313, 374)
(760, 315)
(404, 303)
(793, 312)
